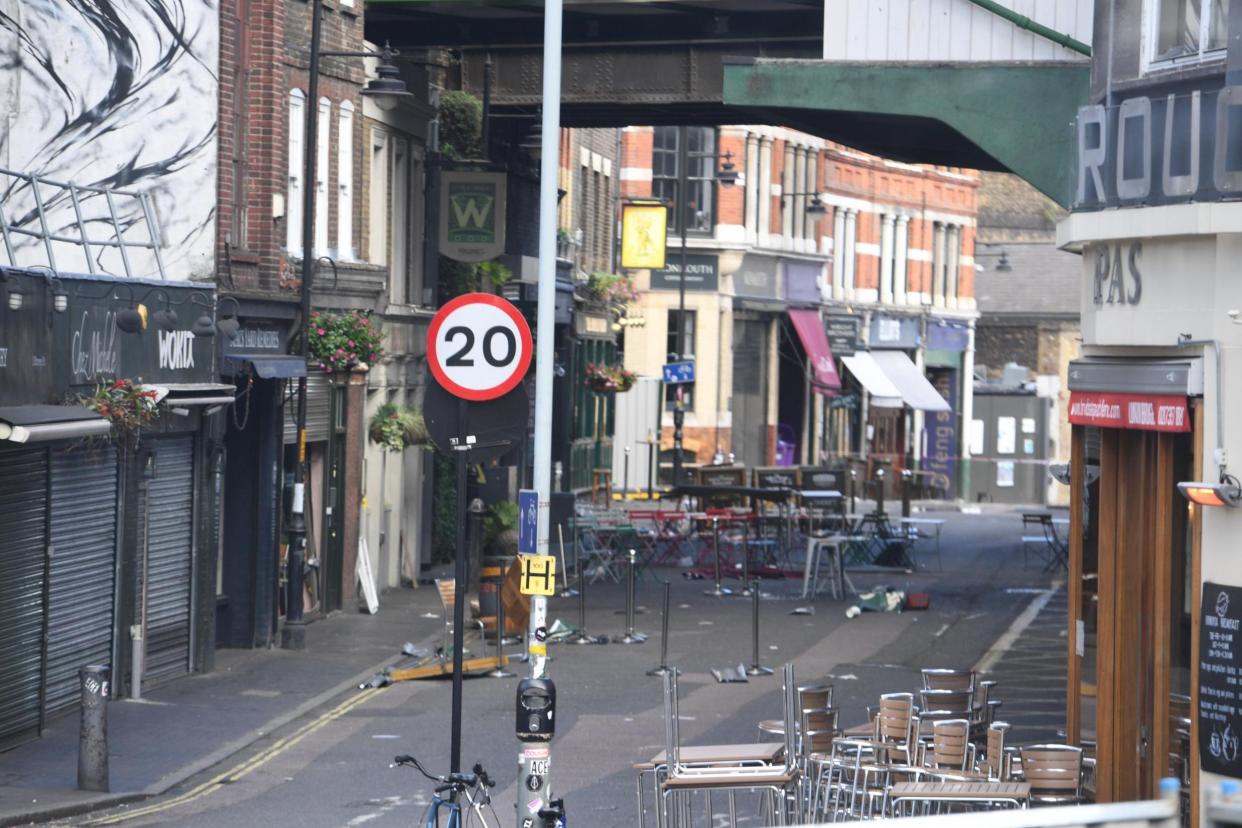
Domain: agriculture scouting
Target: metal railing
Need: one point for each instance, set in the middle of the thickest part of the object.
(45, 199)
(1157, 813)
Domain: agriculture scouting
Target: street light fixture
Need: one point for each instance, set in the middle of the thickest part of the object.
(387, 91)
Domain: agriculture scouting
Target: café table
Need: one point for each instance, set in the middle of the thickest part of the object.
(916, 526)
(703, 756)
(986, 794)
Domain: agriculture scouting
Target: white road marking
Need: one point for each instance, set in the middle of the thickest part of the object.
(1015, 630)
(944, 628)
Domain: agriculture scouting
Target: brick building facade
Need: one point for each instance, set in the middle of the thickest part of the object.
(881, 246)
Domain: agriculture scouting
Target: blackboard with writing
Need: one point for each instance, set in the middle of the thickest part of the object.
(1220, 680)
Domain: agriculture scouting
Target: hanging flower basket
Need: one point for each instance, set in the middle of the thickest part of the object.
(609, 379)
(127, 405)
(344, 341)
(397, 428)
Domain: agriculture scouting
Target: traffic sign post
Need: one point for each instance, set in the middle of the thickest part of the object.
(478, 349)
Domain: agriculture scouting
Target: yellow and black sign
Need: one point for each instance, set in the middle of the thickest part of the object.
(644, 233)
(538, 574)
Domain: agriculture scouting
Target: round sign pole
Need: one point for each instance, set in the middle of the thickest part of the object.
(479, 348)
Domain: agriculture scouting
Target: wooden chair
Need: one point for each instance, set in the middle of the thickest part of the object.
(997, 761)
(860, 766)
(958, 702)
(810, 697)
(941, 678)
(1054, 773)
(951, 749)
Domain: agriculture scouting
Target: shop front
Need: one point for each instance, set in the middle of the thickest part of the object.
(110, 440)
(843, 429)
(805, 345)
(768, 378)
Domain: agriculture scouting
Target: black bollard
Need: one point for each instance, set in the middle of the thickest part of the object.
(664, 668)
(907, 483)
(718, 590)
(581, 637)
(853, 484)
(93, 730)
(630, 636)
(500, 671)
(755, 668)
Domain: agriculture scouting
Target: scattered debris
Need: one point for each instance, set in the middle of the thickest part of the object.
(802, 611)
(730, 674)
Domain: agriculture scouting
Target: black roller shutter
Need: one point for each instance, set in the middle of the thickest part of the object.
(170, 524)
(23, 562)
(83, 568)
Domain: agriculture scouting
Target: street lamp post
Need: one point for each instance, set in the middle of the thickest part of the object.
(387, 90)
(727, 176)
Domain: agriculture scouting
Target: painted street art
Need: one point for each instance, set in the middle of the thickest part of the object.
(118, 94)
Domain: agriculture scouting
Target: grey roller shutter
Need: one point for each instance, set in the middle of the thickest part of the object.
(23, 559)
(83, 569)
(319, 393)
(170, 524)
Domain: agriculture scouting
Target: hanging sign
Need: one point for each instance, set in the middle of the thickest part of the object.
(644, 235)
(472, 215)
(479, 346)
(1220, 680)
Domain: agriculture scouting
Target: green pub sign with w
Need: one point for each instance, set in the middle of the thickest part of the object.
(472, 215)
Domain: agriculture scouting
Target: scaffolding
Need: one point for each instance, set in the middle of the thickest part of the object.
(31, 207)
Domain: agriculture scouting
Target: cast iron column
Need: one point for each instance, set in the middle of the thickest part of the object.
(679, 411)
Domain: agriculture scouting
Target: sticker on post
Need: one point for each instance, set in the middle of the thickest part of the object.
(538, 767)
(538, 574)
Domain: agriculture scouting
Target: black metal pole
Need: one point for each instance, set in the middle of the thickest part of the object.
(679, 412)
(755, 668)
(293, 634)
(93, 728)
(664, 668)
(460, 579)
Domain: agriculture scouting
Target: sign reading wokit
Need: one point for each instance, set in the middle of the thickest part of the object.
(472, 215)
(479, 346)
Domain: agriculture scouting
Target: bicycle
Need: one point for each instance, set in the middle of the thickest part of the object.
(472, 786)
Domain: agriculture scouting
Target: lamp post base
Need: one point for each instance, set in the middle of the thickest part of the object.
(293, 635)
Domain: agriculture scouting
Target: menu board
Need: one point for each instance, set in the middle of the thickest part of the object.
(1220, 674)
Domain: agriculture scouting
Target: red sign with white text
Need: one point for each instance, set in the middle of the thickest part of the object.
(1145, 412)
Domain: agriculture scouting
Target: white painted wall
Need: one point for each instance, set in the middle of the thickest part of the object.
(125, 100)
(957, 30)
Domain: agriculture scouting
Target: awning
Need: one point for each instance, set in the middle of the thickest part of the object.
(1183, 377)
(1145, 412)
(811, 332)
(39, 423)
(914, 387)
(864, 368)
(266, 366)
(193, 393)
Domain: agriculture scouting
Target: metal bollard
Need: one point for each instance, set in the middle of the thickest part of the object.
(500, 671)
(630, 636)
(755, 668)
(93, 730)
(664, 668)
(582, 637)
(746, 584)
(718, 590)
(907, 483)
(853, 486)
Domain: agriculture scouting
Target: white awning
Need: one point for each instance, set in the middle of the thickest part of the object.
(883, 393)
(910, 382)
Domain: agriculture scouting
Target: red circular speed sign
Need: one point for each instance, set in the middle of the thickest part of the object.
(479, 347)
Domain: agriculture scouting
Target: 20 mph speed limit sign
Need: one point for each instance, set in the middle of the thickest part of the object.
(479, 347)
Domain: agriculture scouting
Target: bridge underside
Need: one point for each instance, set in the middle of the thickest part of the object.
(718, 62)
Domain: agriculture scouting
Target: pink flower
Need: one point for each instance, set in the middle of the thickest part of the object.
(328, 368)
(321, 331)
(351, 343)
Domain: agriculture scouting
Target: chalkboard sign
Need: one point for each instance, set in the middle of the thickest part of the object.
(821, 479)
(1220, 680)
(722, 476)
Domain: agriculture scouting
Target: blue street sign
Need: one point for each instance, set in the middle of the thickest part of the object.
(528, 521)
(677, 372)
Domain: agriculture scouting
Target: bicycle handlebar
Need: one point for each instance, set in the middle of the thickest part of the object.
(453, 780)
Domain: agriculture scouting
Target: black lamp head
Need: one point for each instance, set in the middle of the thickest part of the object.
(727, 175)
(387, 89)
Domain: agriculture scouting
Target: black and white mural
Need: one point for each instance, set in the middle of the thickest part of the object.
(117, 94)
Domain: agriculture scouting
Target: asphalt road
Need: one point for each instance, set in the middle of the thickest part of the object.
(332, 768)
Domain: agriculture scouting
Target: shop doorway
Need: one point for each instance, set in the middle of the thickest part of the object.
(791, 399)
(1133, 595)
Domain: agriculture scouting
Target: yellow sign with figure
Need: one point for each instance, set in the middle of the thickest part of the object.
(538, 574)
(644, 234)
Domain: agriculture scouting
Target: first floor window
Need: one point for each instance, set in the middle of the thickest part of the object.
(1184, 28)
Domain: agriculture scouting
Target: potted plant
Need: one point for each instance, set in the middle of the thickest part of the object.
(397, 428)
(126, 404)
(609, 379)
(341, 342)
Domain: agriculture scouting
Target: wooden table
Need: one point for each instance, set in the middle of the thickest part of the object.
(991, 794)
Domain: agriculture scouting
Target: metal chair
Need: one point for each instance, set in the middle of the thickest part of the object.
(1054, 773)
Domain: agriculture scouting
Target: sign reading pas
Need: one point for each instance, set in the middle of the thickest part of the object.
(472, 215)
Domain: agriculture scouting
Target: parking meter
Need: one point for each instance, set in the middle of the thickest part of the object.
(536, 707)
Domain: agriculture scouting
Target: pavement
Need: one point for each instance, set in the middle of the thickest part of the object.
(272, 734)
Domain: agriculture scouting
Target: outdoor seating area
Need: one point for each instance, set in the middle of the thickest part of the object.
(743, 524)
(934, 749)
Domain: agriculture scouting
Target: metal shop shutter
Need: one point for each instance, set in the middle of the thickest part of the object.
(83, 569)
(170, 531)
(319, 395)
(23, 560)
